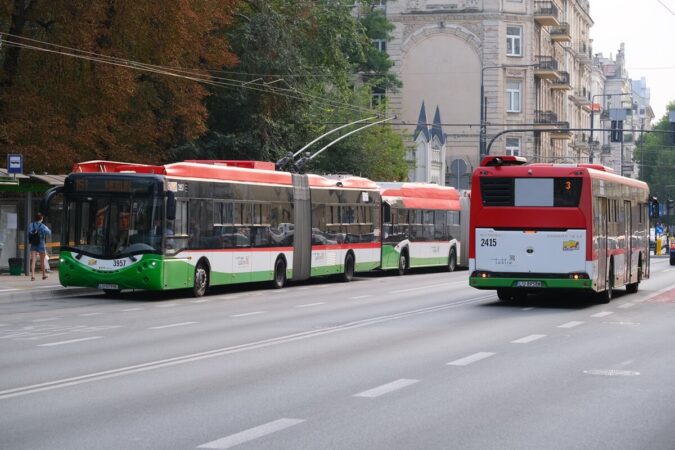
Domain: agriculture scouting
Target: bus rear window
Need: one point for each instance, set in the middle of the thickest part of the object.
(544, 192)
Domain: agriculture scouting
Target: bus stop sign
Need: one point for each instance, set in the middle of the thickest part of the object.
(14, 163)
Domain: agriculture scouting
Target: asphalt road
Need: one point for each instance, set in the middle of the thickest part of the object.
(414, 362)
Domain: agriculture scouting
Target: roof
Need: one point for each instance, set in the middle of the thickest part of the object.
(421, 195)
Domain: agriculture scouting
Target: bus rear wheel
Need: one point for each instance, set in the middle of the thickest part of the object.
(402, 262)
(348, 274)
(201, 280)
(452, 260)
(279, 280)
(632, 288)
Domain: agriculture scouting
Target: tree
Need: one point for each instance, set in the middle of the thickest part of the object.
(656, 158)
(57, 109)
(300, 61)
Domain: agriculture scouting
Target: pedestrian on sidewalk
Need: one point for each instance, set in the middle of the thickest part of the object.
(37, 237)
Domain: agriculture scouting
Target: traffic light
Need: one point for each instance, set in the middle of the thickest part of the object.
(653, 207)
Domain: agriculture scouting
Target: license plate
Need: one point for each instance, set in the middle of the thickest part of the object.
(529, 284)
(108, 286)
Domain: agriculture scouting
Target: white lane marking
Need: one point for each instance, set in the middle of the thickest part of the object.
(530, 308)
(358, 297)
(626, 305)
(427, 286)
(199, 301)
(305, 288)
(48, 286)
(248, 314)
(161, 327)
(528, 339)
(132, 309)
(603, 314)
(386, 388)
(470, 359)
(223, 351)
(251, 434)
(4, 324)
(310, 304)
(90, 314)
(71, 341)
(571, 324)
(9, 290)
(47, 319)
(168, 305)
(657, 293)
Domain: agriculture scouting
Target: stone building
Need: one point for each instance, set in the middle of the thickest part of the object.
(533, 59)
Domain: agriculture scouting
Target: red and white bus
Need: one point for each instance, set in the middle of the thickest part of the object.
(420, 226)
(537, 227)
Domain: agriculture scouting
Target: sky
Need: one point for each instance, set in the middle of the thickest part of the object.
(647, 27)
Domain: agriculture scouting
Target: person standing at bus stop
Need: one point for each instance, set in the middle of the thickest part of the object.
(37, 236)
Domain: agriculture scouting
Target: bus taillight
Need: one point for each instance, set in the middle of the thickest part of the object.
(579, 276)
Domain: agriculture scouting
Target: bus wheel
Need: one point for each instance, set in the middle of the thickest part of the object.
(279, 274)
(402, 262)
(112, 292)
(201, 281)
(505, 295)
(606, 295)
(452, 260)
(348, 274)
(632, 288)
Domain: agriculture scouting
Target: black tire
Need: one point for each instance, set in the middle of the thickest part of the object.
(632, 288)
(201, 280)
(605, 296)
(504, 295)
(402, 262)
(112, 292)
(348, 274)
(279, 280)
(452, 260)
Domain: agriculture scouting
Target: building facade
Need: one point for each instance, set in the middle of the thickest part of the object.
(530, 60)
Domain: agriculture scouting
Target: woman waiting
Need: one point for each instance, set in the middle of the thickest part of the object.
(37, 236)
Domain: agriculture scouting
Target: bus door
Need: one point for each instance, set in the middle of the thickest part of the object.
(601, 217)
(628, 240)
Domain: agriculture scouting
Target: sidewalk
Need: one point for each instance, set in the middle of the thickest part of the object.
(20, 287)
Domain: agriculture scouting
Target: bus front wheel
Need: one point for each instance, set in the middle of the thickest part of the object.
(279, 274)
(348, 274)
(606, 295)
(201, 280)
(402, 262)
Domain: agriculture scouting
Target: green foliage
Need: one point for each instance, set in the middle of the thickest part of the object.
(656, 159)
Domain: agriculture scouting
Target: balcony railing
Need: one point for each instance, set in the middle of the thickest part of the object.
(546, 13)
(545, 117)
(563, 81)
(561, 33)
(546, 63)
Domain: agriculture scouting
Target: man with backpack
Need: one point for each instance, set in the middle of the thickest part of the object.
(37, 236)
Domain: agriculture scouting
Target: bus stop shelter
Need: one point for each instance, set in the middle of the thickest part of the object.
(20, 196)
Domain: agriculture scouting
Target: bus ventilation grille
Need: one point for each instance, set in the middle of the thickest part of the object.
(497, 191)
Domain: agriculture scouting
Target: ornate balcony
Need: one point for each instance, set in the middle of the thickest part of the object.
(547, 68)
(546, 14)
(562, 83)
(561, 33)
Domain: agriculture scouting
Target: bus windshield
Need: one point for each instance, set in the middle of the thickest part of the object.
(114, 226)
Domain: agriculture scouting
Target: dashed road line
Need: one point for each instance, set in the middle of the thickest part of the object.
(626, 305)
(529, 308)
(528, 339)
(603, 314)
(91, 314)
(46, 319)
(252, 434)
(310, 305)
(248, 314)
(572, 324)
(172, 325)
(132, 309)
(167, 305)
(199, 301)
(71, 341)
(386, 388)
(471, 359)
(359, 297)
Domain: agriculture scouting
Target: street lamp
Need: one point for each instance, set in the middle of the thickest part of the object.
(590, 159)
(483, 103)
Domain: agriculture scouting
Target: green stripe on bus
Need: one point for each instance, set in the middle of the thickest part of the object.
(546, 283)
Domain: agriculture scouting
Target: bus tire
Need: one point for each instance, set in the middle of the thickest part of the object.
(279, 279)
(606, 295)
(348, 274)
(402, 262)
(452, 260)
(112, 293)
(632, 288)
(504, 295)
(201, 279)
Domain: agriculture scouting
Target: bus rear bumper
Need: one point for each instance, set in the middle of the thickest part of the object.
(530, 283)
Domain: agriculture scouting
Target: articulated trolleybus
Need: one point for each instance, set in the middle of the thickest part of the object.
(196, 224)
(543, 226)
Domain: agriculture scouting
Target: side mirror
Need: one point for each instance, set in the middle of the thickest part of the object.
(47, 198)
(170, 206)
